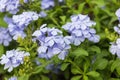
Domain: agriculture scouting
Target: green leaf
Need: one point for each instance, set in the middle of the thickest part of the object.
(99, 78)
(99, 3)
(37, 69)
(85, 77)
(118, 69)
(93, 74)
(44, 77)
(75, 71)
(81, 6)
(95, 49)
(86, 66)
(63, 18)
(23, 77)
(64, 66)
(1, 50)
(76, 78)
(100, 64)
(115, 64)
(114, 79)
(80, 52)
(2, 22)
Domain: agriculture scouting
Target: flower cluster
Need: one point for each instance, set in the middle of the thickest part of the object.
(5, 37)
(18, 23)
(10, 6)
(80, 28)
(13, 58)
(115, 48)
(52, 42)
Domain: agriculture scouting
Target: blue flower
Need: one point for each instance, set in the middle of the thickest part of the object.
(12, 59)
(46, 4)
(52, 42)
(60, 0)
(26, 1)
(9, 6)
(80, 29)
(117, 29)
(13, 78)
(5, 37)
(42, 14)
(115, 48)
(118, 14)
(25, 19)
(54, 68)
(18, 23)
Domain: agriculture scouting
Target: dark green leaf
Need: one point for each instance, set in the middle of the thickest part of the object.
(44, 77)
(81, 6)
(23, 77)
(80, 52)
(75, 71)
(37, 69)
(2, 22)
(1, 50)
(85, 77)
(76, 78)
(64, 66)
(118, 69)
(100, 64)
(93, 74)
(115, 64)
(95, 49)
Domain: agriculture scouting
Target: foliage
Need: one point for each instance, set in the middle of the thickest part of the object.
(88, 61)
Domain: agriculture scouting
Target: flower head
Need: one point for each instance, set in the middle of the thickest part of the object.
(12, 59)
(9, 6)
(80, 28)
(13, 78)
(5, 37)
(115, 47)
(117, 29)
(18, 23)
(118, 14)
(46, 4)
(52, 42)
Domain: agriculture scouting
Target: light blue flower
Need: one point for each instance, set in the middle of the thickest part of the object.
(118, 14)
(117, 29)
(115, 48)
(54, 68)
(25, 18)
(46, 4)
(26, 1)
(18, 23)
(60, 0)
(52, 42)
(5, 37)
(13, 78)
(13, 59)
(42, 14)
(80, 29)
(9, 6)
